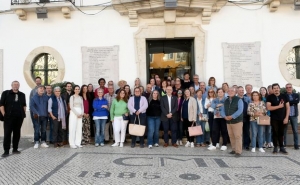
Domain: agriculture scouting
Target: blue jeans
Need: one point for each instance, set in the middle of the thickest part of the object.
(201, 139)
(100, 129)
(294, 123)
(153, 129)
(50, 121)
(256, 131)
(268, 134)
(40, 125)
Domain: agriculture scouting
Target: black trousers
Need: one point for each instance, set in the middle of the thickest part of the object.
(277, 132)
(12, 125)
(170, 124)
(57, 131)
(186, 123)
(211, 123)
(219, 126)
(143, 121)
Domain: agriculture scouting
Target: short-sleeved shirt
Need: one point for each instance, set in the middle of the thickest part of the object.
(278, 114)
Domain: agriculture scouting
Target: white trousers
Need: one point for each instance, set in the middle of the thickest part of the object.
(75, 128)
(119, 126)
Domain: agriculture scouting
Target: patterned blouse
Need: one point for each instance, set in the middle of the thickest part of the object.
(253, 108)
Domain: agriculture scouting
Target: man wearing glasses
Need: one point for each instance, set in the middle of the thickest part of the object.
(293, 99)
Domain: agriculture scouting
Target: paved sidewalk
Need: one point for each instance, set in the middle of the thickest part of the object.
(114, 165)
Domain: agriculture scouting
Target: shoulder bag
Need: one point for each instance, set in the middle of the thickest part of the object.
(263, 120)
(136, 129)
(195, 130)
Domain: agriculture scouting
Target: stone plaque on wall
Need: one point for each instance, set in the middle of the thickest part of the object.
(242, 64)
(1, 71)
(100, 62)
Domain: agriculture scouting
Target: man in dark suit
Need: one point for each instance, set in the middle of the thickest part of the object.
(169, 108)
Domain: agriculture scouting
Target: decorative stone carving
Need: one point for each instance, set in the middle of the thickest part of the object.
(66, 12)
(156, 9)
(21, 14)
(170, 30)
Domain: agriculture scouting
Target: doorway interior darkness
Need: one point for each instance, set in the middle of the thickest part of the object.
(170, 57)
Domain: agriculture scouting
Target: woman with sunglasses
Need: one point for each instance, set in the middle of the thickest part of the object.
(211, 95)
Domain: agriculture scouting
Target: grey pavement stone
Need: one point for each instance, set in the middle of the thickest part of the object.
(114, 165)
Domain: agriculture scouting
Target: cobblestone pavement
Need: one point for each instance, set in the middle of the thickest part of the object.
(114, 165)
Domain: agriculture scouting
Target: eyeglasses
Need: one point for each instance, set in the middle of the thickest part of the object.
(288, 87)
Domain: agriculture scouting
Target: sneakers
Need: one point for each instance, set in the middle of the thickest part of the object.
(253, 150)
(73, 146)
(44, 145)
(156, 145)
(283, 151)
(212, 148)
(187, 144)
(121, 145)
(192, 145)
(217, 145)
(265, 145)
(180, 143)
(97, 144)
(115, 144)
(102, 144)
(79, 146)
(271, 145)
(177, 142)
(223, 148)
(261, 150)
(36, 145)
(150, 146)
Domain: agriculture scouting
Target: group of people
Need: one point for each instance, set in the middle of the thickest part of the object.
(170, 105)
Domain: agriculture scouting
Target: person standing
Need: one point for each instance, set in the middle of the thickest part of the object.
(267, 137)
(39, 107)
(179, 122)
(201, 118)
(75, 121)
(110, 96)
(279, 107)
(255, 109)
(188, 116)
(212, 84)
(38, 82)
(137, 105)
(118, 111)
(121, 85)
(233, 114)
(66, 95)
(91, 110)
(293, 99)
(57, 108)
(196, 83)
(12, 107)
(153, 118)
(208, 101)
(248, 89)
(186, 81)
(169, 107)
(101, 83)
(219, 124)
(49, 120)
(86, 120)
(148, 91)
(163, 87)
(246, 118)
(100, 117)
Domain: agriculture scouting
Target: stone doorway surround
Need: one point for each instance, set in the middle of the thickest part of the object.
(169, 31)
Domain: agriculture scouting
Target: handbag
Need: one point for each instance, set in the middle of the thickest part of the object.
(203, 118)
(195, 130)
(136, 129)
(263, 120)
(207, 129)
(125, 118)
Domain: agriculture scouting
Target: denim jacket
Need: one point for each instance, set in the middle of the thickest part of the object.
(217, 101)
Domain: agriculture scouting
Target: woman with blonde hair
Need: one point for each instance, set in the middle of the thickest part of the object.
(121, 85)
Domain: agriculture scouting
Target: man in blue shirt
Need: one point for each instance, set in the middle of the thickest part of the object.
(293, 99)
(39, 108)
(233, 114)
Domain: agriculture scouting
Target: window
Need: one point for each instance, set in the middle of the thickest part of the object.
(168, 57)
(293, 62)
(46, 67)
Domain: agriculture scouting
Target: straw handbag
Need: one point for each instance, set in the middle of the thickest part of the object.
(136, 129)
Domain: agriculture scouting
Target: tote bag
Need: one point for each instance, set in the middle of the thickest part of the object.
(263, 120)
(195, 130)
(136, 129)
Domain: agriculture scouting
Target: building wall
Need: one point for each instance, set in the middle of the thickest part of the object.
(232, 24)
